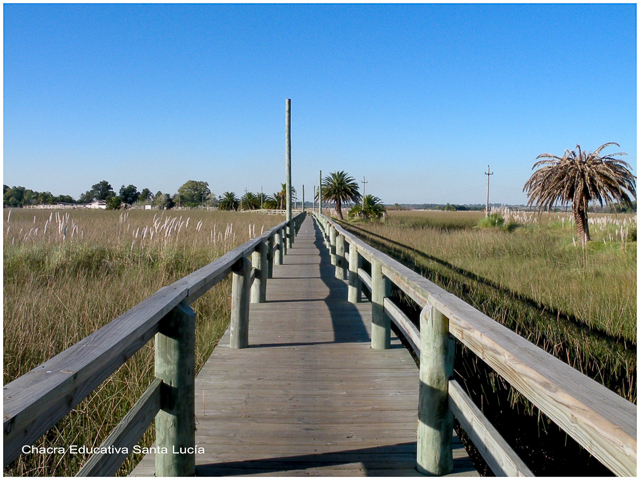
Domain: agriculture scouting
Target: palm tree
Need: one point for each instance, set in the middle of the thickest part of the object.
(250, 201)
(339, 187)
(578, 178)
(228, 201)
(371, 207)
(282, 195)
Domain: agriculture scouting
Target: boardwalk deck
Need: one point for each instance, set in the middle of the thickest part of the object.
(309, 397)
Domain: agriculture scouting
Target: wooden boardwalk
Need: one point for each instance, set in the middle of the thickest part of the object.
(309, 397)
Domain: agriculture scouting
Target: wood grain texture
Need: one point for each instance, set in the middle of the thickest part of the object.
(126, 434)
(600, 420)
(500, 457)
(309, 396)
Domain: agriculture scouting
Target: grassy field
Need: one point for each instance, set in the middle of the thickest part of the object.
(67, 273)
(579, 304)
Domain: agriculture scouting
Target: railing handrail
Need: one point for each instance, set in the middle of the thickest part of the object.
(600, 420)
(37, 400)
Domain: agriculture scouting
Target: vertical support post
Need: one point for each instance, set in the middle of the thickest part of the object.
(270, 256)
(435, 420)
(289, 235)
(355, 285)
(303, 198)
(260, 263)
(380, 322)
(285, 232)
(320, 194)
(175, 366)
(240, 296)
(332, 243)
(340, 270)
(278, 252)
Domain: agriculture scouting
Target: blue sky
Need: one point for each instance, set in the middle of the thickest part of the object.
(417, 98)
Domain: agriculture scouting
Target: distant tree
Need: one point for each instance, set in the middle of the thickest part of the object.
(579, 178)
(371, 207)
(145, 195)
(114, 203)
(193, 193)
(449, 208)
(86, 197)
(250, 201)
(339, 188)
(272, 201)
(14, 197)
(102, 190)
(64, 199)
(129, 194)
(228, 201)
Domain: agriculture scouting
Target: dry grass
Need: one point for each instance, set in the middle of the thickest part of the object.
(579, 304)
(66, 274)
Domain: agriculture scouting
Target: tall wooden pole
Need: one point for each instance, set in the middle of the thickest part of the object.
(320, 193)
(288, 157)
(303, 198)
(488, 174)
(314, 198)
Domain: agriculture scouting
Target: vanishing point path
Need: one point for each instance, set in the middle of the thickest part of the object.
(309, 396)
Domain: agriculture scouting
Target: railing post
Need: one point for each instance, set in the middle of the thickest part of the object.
(340, 258)
(355, 286)
(240, 296)
(333, 233)
(270, 256)
(261, 264)
(278, 252)
(435, 420)
(175, 366)
(285, 241)
(380, 322)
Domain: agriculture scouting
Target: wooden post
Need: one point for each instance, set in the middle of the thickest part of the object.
(333, 233)
(303, 198)
(240, 296)
(340, 258)
(355, 286)
(261, 264)
(278, 252)
(270, 256)
(285, 232)
(380, 321)
(175, 366)
(289, 236)
(435, 420)
(320, 194)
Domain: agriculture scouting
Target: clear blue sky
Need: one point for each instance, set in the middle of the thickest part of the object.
(417, 98)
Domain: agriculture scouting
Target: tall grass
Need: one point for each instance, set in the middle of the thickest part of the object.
(67, 274)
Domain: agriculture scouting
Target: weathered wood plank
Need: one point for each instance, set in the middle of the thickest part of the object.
(127, 434)
(409, 330)
(500, 457)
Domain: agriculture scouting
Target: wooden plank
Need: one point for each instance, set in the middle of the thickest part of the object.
(125, 435)
(598, 419)
(500, 457)
(365, 278)
(406, 326)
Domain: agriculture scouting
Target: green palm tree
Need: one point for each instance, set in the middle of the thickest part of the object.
(579, 178)
(371, 207)
(282, 195)
(339, 188)
(228, 201)
(250, 201)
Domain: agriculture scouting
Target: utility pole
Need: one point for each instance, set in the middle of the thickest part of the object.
(364, 187)
(303, 198)
(288, 155)
(488, 173)
(261, 198)
(320, 194)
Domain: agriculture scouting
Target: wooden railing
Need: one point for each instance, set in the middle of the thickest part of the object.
(597, 418)
(36, 401)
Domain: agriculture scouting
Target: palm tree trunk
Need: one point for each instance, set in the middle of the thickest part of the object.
(582, 223)
(339, 209)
